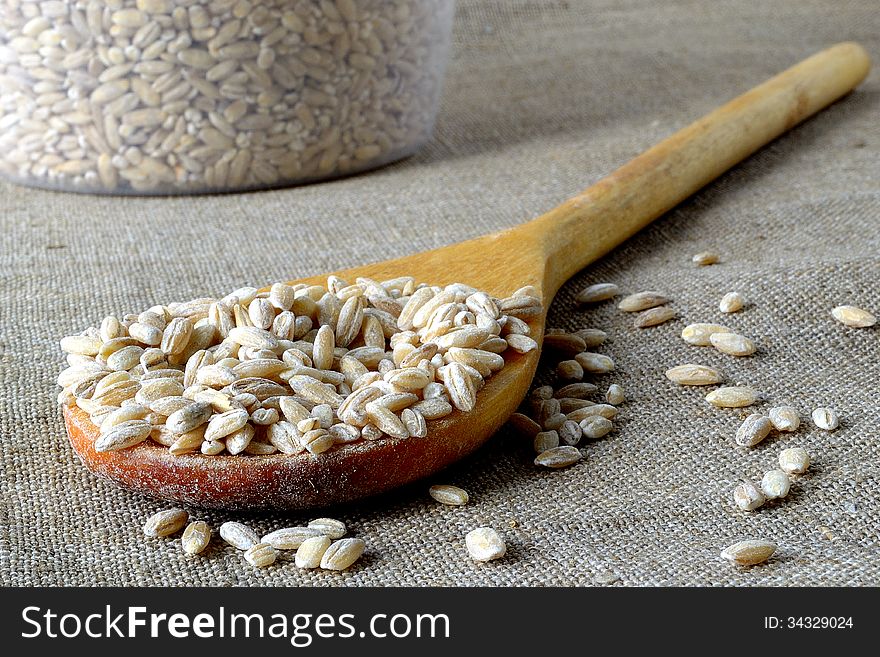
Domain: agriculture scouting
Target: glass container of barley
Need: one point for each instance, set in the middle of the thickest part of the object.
(183, 96)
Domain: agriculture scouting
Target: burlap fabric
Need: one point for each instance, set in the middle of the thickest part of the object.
(542, 99)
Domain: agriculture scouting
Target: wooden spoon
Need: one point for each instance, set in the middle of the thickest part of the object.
(544, 252)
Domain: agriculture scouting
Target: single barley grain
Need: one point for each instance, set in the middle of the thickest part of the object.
(749, 553)
(775, 484)
(187, 443)
(414, 422)
(705, 258)
(238, 535)
(261, 555)
(694, 375)
(733, 397)
(642, 301)
(542, 392)
(654, 317)
(311, 551)
(485, 544)
(569, 404)
(784, 418)
(165, 523)
(597, 292)
(123, 435)
(196, 537)
(450, 495)
(732, 344)
(545, 440)
(615, 395)
(547, 408)
(592, 337)
(570, 433)
(596, 427)
(329, 527)
(595, 363)
(731, 302)
(238, 441)
(290, 538)
(825, 418)
(189, 417)
(853, 316)
(570, 370)
(794, 460)
(342, 553)
(753, 430)
(604, 410)
(748, 496)
(575, 390)
(521, 344)
(558, 457)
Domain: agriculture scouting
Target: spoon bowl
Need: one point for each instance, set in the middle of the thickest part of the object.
(344, 473)
(544, 253)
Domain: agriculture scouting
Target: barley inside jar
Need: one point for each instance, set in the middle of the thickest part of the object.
(184, 96)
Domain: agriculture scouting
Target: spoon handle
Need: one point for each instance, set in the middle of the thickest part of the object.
(587, 226)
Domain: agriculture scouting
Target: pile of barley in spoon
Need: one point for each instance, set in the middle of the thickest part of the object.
(300, 368)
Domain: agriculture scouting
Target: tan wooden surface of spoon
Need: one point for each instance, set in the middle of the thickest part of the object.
(544, 252)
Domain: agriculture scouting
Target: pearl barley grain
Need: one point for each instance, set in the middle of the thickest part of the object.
(853, 316)
(329, 527)
(290, 538)
(592, 337)
(597, 292)
(749, 552)
(654, 317)
(261, 555)
(694, 375)
(595, 363)
(775, 484)
(554, 422)
(794, 460)
(733, 397)
(731, 302)
(449, 495)
(238, 535)
(559, 457)
(310, 553)
(748, 496)
(485, 544)
(732, 344)
(642, 301)
(342, 553)
(596, 427)
(705, 258)
(570, 370)
(524, 425)
(545, 440)
(196, 537)
(784, 418)
(570, 433)
(165, 523)
(825, 418)
(615, 395)
(753, 430)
